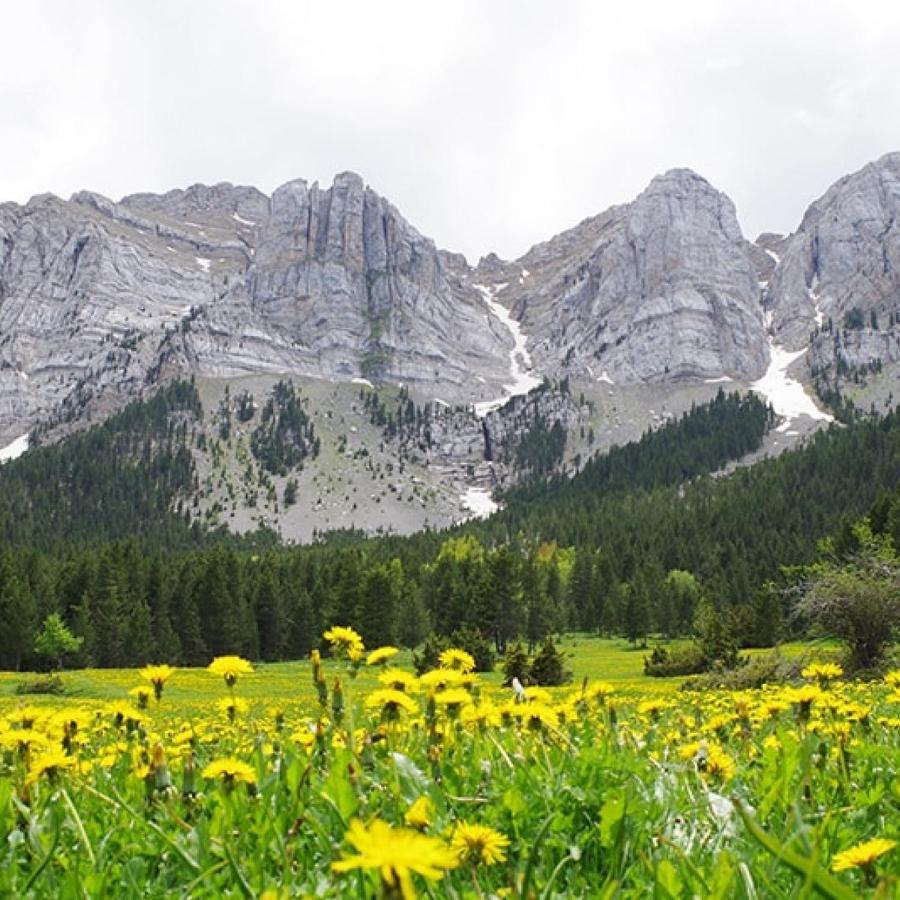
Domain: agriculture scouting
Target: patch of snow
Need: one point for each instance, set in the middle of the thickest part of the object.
(23, 376)
(525, 273)
(171, 249)
(763, 285)
(479, 502)
(440, 402)
(605, 378)
(237, 218)
(787, 396)
(774, 256)
(15, 449)
(720, 380)
(521, 379)
(203, 262)
(193, 224)
(813, 295)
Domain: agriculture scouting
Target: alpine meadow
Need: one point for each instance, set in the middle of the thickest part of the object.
(338, 563)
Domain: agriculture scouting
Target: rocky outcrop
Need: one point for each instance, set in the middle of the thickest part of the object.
(99, 299)
(836, 287)
(843, 262)
(660, 289)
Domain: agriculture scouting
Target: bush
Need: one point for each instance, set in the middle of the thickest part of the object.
(548, 667)
(515, 664)
(48, 684)
(770, 668)
(469, 639)
(663, 663)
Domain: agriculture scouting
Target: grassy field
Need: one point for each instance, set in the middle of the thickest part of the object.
(258, 784)
(587, 656)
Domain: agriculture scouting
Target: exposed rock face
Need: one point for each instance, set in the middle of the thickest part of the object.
(843, 264)
(659, 289)
(98, 299)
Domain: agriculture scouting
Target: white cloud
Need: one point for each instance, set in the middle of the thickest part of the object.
(490, 125)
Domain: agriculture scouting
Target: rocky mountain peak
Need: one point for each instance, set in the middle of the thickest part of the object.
(658, 289)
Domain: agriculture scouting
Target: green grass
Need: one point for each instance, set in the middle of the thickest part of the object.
(587, 656)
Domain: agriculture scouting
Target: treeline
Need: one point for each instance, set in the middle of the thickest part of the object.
(629, 546)
(118, 478)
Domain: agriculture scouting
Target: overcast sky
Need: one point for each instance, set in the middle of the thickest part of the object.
(491, 125)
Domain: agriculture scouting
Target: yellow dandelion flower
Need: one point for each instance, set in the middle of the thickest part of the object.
(457, 659)
(479, 844)
(822, 671)
(22, 739)
(420, 813)
(397, 854)
(440, 679)
(231, 771)
(391, 703)
(230, 668)
(398, 680)
(892, 678)
(141, 695)
(485, 715)
(380, 656)
(345, 640)
(598, 691)
(537, 716)
(233, 707)
(49, 764)
(157, 676)
(862, 855)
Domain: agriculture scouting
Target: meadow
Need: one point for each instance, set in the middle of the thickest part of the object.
(349, 777)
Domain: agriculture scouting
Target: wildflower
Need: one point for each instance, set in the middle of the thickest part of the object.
(420, 814)
(231, 771)
(862, 855)
(396, 853)
(537, 716)
(453, 700)
(233, 707)
(230, 667)
(440, 679)
(822, 672)
(457, 659)
(345, 640)
(599, 691)
(380, 656)
(398, 679)
(157, 676)
(141, 696)
(892, 679)
(479, 844)
(49, 764)
(391, 703)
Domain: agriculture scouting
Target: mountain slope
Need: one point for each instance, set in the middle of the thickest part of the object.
(660, 289)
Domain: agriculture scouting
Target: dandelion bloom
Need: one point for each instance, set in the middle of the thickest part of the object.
(380, 656)
(345, 640)
(398, 679)
(862, 854)
(420, 813)
(440, 679)
(457, 659)
(50, 763)
(231, 771)
(230, 667)
(822, 671)
(396, 853)
(157, 676)
(391, 703)
(479, 844)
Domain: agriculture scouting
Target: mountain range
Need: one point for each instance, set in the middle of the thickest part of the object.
(616, 324)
